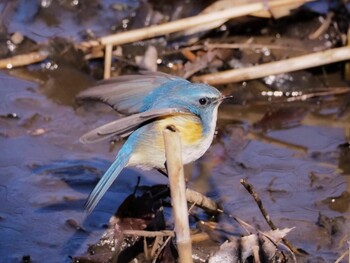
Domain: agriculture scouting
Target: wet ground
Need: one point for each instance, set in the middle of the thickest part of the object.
(296, 155)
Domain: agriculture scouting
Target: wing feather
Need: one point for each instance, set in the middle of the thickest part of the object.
(126, 94)
(124, 126)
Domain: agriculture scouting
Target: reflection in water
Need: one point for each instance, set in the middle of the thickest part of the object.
(339, 203)
(60, 85)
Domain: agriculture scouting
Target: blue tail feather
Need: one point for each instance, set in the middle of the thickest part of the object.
(107, 179)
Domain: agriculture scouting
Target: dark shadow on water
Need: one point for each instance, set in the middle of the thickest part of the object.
(82, 175)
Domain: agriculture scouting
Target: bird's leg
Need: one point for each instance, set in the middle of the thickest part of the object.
(163, 171)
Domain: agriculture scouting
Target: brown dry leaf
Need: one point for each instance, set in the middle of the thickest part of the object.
(211, 58)
(281, 118)
(200, 63)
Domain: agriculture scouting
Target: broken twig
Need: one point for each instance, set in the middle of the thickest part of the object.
(202, 201)
(266, 216)
(258, 201)
(324, 26)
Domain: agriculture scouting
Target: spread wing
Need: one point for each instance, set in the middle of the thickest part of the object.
(126, 94)
(123, 127)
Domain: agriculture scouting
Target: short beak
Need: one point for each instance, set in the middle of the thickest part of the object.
(222, 98)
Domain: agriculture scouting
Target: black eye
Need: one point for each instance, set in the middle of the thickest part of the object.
(203, 101)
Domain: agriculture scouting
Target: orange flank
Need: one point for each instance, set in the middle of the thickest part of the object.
(152, 145)
(189, 127)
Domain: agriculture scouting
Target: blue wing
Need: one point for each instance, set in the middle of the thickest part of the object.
(128, 94)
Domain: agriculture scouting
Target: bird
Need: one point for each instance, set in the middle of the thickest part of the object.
(152, 101)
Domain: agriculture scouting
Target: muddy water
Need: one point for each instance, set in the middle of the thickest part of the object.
(298, 165)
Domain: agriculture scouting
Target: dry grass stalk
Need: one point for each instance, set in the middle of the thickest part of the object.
(173, 155)
(278, 67)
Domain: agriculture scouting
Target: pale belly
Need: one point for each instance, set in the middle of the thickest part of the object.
(150, 152)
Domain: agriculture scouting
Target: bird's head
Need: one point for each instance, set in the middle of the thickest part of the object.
(200, 99)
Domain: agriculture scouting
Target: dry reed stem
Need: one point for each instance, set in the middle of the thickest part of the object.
(277, 67)
(108, 62)
(173, 153)
(23, 60)
(186, 23)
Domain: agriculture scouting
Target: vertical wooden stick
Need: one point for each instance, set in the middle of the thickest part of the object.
(173, 155)
(108, 61)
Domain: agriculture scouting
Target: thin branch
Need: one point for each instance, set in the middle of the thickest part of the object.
(266, 216)
(258, 201)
